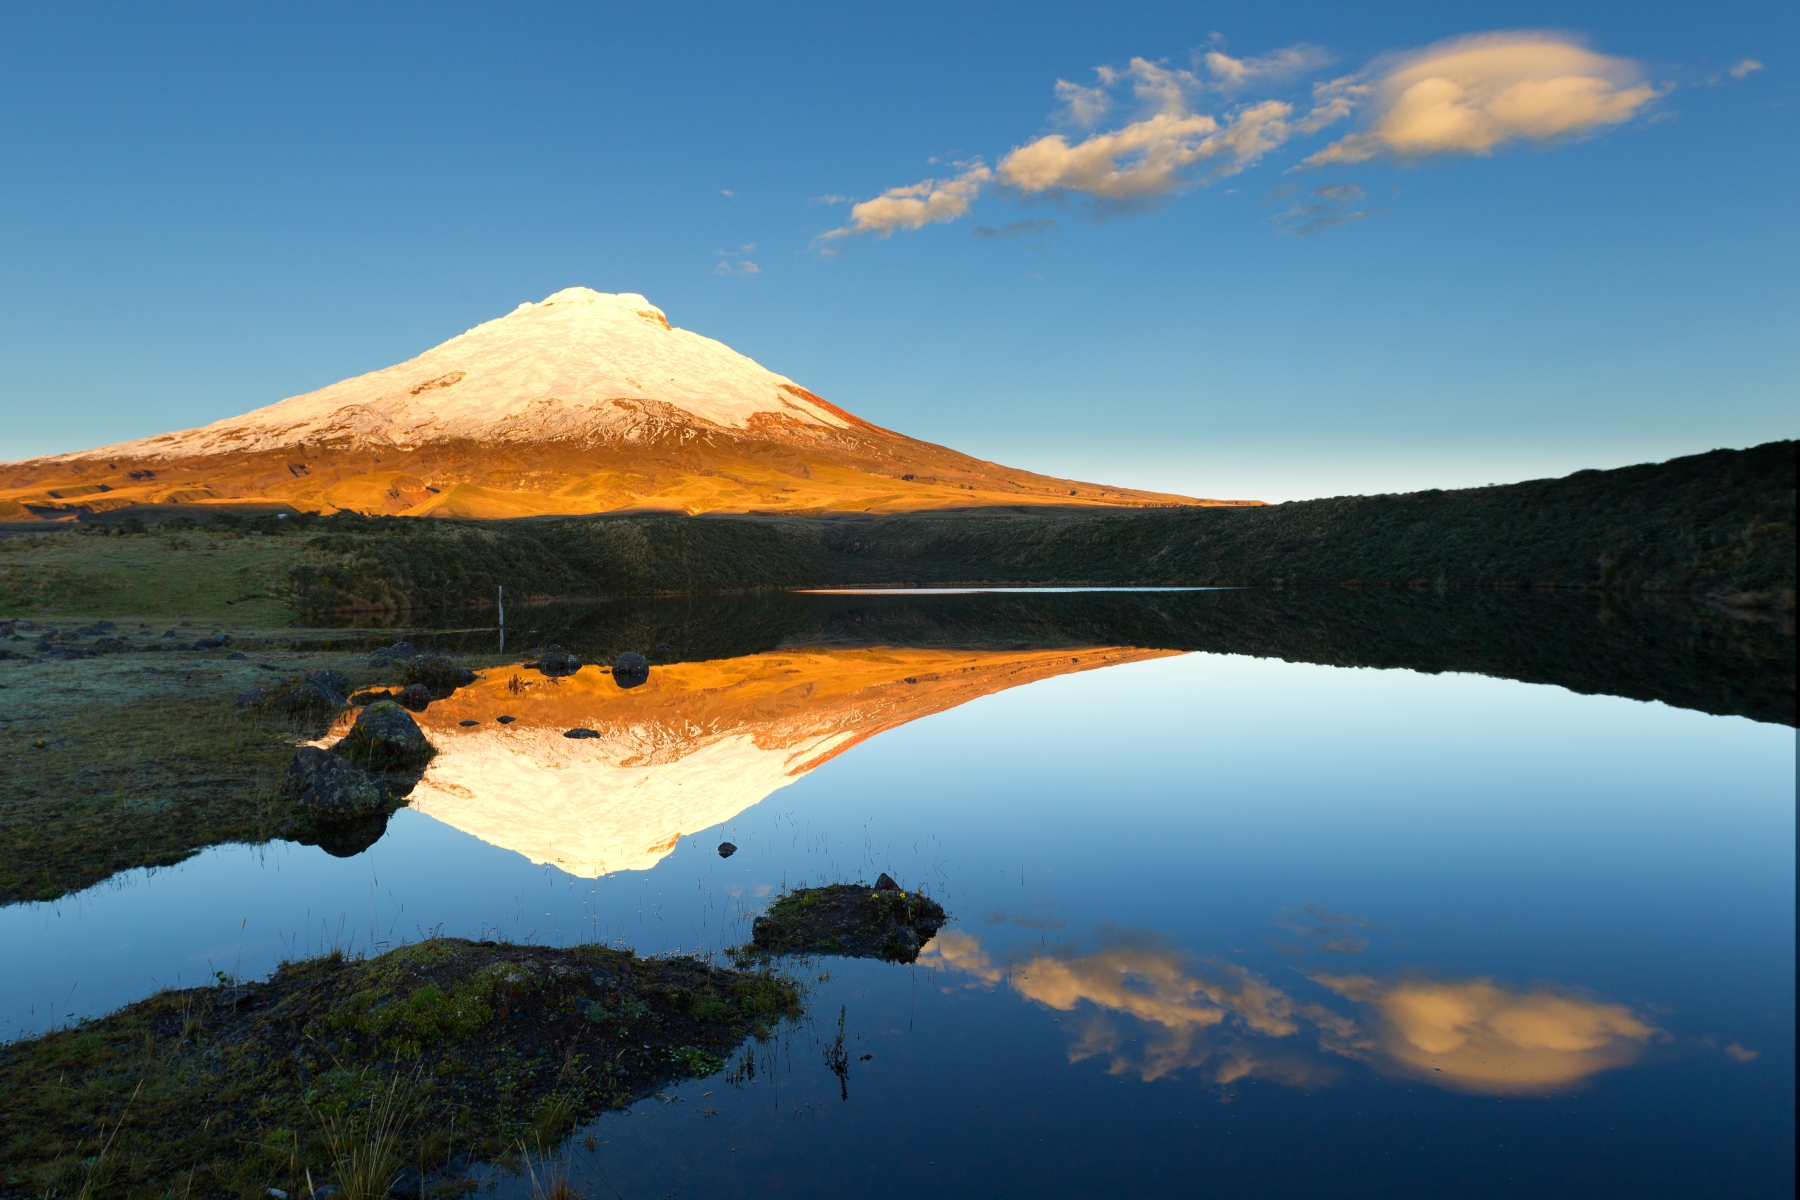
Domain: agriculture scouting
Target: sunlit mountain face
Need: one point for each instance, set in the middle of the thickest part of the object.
(586, 402)
(694, 746)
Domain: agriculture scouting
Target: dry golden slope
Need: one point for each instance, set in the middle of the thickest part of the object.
(583, 403)
(696, 745)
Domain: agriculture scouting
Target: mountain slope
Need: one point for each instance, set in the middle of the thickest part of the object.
(583, 403)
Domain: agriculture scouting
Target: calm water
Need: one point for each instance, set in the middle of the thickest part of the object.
(1222, 923)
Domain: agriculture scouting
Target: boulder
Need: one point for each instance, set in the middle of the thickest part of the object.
(506, 720)
(415, 696)
(558, 662)
(581, 733)
(333, 789)
(630, 669)
(337, 681)
(370, 697)
(217, 641)
(885, 883)
(385, 738)
(308, 696)
(436, 674)
(247, 697)
(398, 652)
(726, 849)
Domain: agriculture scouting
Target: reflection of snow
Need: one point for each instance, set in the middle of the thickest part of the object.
(588, 814)
(695, 746)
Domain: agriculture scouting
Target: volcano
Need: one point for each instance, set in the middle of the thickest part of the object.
(584, 403)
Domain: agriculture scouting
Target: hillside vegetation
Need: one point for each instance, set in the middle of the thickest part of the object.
(1720, 524)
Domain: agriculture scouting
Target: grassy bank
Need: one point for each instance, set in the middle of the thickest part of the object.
(345, 1071)
(1718, 524)
(139, 757)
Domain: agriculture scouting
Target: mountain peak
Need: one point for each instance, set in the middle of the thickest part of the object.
(582, 402)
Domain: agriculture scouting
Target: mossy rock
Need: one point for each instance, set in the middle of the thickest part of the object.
(849, 919)
(437, 674)
(220, 1091)
(385, 738)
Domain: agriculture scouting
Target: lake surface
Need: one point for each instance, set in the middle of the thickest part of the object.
(1252, 894)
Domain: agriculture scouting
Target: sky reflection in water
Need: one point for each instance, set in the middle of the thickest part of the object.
(1318, 923)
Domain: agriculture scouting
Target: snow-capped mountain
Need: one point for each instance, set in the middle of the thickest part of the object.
(585, 402)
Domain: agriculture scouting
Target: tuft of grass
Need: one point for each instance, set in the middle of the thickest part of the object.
(367, 1144)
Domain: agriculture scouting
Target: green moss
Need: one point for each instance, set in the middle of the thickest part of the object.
(231, 1091)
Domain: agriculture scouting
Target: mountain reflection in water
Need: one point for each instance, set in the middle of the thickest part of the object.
(692, 748)
(1470, 1035)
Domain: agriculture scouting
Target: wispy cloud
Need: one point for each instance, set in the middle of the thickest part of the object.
(928, 202)
(1323, 208)
(1141, 133)
(1475, 94)
(1013, 229)
(743, 266)
(1743, 67)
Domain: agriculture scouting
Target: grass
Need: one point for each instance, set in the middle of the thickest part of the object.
(200, 574)
(140, 758)
(344, 1070)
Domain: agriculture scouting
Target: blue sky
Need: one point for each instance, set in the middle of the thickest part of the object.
(206, 209)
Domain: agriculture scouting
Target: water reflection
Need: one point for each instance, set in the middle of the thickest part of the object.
(1181, 1013)
(692, 748)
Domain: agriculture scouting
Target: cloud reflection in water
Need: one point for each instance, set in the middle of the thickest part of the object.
(1466, 1035)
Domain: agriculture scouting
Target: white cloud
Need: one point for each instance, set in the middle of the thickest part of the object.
(1146, 159)
(1744, 67)
(743, 268)
(1473, 94)
(728, 193)
(1082, 106)
(1230, 74)
(928, 202)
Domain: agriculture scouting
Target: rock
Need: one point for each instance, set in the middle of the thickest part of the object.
(630, 669)
(664, 648)
(385, 738)
(851, 919)
(581, 733)
(398, 652)
(407, 1184)
(415, 696)
(307, 696)
(332, 788)
(96, 629)
(507, 720)
(886, 883)
(239, 655)
(466, 724)
(370, 697)
(329, 1191)
(436, 674)
(337, 681)
(246, 698)
(217, 641)
(558, 662)
(726, 849)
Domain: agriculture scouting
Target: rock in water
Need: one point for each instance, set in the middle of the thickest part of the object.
(726, 849)
(385, 738)
(630, 669)
(851, 919)
(558, 662)
(415, 696)
(331, 788)
(886, 883)
(581, 733)
(436, 674)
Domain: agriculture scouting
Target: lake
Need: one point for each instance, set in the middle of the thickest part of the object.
(1251, 893)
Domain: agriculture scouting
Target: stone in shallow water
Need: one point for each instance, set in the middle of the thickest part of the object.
(506, 720)
(558, 662)
(726, 849)
(415, 696)
(332, 788)
(851, 919)
(581, 733)
(385, 737)
(630, 669)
